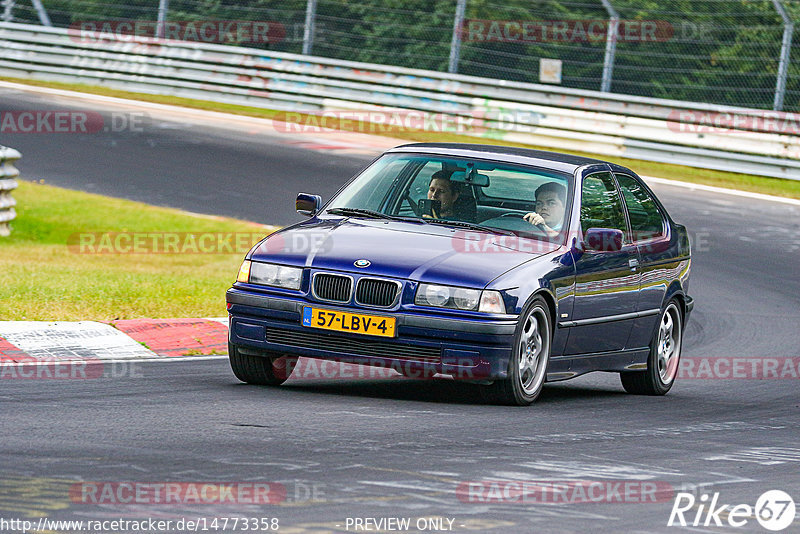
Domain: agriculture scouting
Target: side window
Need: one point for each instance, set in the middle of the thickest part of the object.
(417, 189)
(419, 186)
(646, 219)
(601, 206)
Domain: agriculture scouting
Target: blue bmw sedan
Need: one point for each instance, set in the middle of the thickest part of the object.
(505, 267)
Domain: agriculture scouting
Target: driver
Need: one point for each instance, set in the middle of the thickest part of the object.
(549, 214)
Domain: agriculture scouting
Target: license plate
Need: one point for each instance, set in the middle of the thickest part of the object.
(371, 325)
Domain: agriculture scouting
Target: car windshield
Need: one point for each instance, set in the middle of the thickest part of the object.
(505, 198)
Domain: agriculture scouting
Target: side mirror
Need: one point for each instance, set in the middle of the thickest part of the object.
(603, 239)
(307, 204)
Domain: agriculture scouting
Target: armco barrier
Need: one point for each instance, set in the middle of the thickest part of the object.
(7, 184)
(759, 142)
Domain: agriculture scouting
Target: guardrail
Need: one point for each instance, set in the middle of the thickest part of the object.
(700, 135)
(7, 184)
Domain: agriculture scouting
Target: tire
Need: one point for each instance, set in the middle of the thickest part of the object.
(269, 370)
(527, 368)
(664, 358)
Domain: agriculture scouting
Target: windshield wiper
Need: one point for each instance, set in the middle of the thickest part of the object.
(373, 214)
(473, 226)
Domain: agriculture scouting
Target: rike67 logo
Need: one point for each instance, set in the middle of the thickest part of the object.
(774, 510)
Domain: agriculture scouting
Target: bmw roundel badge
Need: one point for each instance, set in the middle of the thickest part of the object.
(362, 263)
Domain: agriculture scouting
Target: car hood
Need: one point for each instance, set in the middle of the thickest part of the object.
(423, 252)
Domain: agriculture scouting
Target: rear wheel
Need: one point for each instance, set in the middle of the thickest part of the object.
(527, 368)
(269, 370)
(665, 354)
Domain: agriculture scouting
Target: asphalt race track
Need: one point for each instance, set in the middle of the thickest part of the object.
(401, 448)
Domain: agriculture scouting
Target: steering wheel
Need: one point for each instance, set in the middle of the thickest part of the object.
(517, 223)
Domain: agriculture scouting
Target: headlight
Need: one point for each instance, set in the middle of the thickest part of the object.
(466, 299)
(435, 295)
(459, 298)
(269, 274)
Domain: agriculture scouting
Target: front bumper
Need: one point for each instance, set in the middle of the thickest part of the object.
(463, 348)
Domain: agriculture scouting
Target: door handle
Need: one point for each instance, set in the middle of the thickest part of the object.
(633, 264)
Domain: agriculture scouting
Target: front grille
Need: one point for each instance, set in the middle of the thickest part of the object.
(333, 287)
(375, 292)
(353, 346)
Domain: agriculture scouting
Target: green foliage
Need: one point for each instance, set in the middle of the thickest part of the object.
(43, 278)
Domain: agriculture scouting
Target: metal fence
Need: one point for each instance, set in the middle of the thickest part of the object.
(732, 52)
(8, 173)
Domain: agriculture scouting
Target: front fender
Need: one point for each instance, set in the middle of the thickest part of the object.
(550, 276)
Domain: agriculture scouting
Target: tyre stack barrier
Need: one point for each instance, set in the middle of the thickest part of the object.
(8, 173)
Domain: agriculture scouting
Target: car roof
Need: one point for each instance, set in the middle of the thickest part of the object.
(526, 156)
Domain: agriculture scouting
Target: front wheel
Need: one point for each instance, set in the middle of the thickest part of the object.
(259, 370)
(527, 368)
(665, 355)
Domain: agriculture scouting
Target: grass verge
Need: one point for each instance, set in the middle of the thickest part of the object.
(44, 279)
(745, 182)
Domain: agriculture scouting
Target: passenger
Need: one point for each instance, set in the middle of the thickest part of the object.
(549, 215)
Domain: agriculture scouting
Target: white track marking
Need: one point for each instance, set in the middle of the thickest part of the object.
(723, 190)
(160, 359)
(83, 340)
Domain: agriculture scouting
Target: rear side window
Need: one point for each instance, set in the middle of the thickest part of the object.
(647, 221)
(601, 206)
